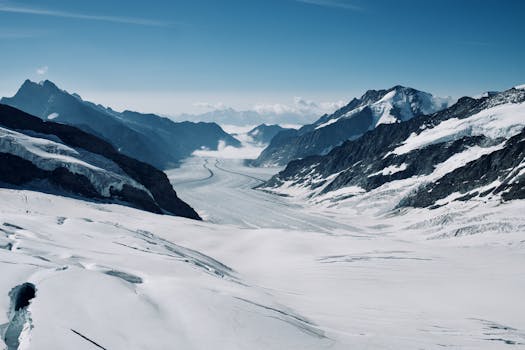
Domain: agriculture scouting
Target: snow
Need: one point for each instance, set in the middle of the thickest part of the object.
(288, 277)
(520, 87)
(247, 150)
(340, 193)
(382, 109)
(380, 200)
(389, 170)
(372, 282)
(53, 116)
(500, 121)
(400, 99)
(344, 116)
(331, 121)
(49, 155)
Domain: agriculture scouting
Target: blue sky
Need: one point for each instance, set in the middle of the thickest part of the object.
(172, 56)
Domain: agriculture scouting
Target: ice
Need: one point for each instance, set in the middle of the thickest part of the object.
(49, 155)
(291, 275)
(501, 121)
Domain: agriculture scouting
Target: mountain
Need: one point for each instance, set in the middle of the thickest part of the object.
(230, 116)
(49, 156)
(374, 108)
(147, 137)
(263, 134)
(473, 150)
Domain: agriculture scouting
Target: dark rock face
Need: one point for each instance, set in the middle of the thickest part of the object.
(147, 137)
(19, 171)
(263, 133)
(332, 130)
(362, 162)
(480, 173)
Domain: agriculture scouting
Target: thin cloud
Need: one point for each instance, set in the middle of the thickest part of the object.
(42, 70)
(74, 15)
(342, 4)
(212, 106)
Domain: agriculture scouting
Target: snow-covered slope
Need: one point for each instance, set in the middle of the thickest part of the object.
(77, 273)
(374, 108)
(472, 150)
(55, 157)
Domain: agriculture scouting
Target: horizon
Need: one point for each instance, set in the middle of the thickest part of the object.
(309, 111)
(176, 58)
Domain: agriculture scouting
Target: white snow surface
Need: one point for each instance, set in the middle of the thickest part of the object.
(501, 121)
(264, 272)
(49, 155)
(389, 170)
(399, 99)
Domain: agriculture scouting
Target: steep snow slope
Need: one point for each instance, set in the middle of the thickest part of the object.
(374, 108)
(476, 147)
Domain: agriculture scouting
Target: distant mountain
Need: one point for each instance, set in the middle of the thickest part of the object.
(147, 137)
(263, 134)
(230, 116)
(375, 107)
(473, 150)
(48, 156)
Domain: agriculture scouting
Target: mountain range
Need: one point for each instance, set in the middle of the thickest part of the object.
(231, 116)
(148, 137)
(61, 159)
(360, 115)
(473, 150)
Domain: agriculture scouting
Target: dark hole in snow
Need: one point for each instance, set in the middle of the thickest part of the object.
(19, 316)
(8, 246)
(23, 294)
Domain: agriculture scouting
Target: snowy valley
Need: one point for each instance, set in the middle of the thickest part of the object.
(359, 247)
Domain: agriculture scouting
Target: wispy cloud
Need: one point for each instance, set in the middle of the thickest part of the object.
(42, 70)
(342, 4)
(211, 106)
(74, 15)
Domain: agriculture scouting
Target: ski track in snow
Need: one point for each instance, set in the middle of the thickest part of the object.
(261, 272)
